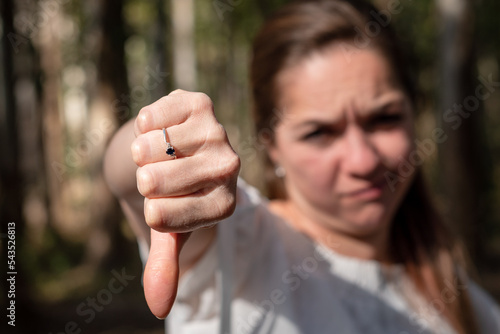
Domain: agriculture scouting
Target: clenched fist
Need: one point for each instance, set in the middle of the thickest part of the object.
(196, 189)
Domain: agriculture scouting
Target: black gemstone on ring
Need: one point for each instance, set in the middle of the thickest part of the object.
(170, 151)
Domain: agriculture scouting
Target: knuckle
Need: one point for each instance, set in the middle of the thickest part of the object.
(230, 165)
(218, 132)
(146, 182)
(153, 215)
(203, 102)
(224, 199)
(144, 119)
(234, 163)
(177, 91)
(138, 154)
(226, 204)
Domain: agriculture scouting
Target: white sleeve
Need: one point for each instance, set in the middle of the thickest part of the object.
(199, 274)
(205, 289)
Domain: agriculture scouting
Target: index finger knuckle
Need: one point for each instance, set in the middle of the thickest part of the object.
(202, 102)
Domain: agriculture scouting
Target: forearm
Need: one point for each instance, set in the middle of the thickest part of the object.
(119, 167)
(120, 172)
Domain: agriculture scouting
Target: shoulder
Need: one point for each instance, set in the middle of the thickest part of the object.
(252, 220)
(486, 309)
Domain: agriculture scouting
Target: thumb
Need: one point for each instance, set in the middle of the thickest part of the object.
(161, 275)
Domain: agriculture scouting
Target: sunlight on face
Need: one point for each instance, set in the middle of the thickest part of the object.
(343, 125)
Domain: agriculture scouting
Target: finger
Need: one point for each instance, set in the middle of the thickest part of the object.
(186, 138)
(171, 178)
(187, 213)
(151, 147)
(170, 110)
(185, 176)
(161, 275)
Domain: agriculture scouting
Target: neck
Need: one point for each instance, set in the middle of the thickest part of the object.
(371, 247)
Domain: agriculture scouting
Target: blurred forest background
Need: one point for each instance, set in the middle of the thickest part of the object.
(73, 71)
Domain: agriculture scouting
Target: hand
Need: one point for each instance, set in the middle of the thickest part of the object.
(195, 190)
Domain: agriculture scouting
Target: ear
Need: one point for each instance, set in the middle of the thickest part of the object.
(273, 153)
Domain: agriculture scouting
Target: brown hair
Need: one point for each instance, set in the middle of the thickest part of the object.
(425, 246)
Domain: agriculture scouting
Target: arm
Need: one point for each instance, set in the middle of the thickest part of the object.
(120, 173)
(174, 198)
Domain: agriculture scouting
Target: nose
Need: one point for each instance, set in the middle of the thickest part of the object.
(361, 158)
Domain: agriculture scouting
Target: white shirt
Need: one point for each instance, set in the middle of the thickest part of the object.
(269, 278)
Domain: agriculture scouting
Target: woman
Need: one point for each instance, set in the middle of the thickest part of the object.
(349, 242)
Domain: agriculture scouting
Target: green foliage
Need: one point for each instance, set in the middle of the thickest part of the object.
(46, 261)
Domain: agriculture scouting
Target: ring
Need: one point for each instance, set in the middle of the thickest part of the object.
(170, 149)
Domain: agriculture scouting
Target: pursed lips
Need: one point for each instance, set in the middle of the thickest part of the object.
(373, 190)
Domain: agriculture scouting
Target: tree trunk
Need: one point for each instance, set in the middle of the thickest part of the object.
(105, 243)
(49, 47)
(184, 53)
(12, 183)
(161, 60)
(461, 118)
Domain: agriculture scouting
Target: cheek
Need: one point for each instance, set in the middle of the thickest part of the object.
(394, 146)
(310, 168)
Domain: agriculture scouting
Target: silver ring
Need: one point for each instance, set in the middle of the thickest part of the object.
(170, 149)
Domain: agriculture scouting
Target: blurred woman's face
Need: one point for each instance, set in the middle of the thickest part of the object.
(345, 122)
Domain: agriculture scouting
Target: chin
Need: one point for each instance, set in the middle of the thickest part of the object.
(366, 223)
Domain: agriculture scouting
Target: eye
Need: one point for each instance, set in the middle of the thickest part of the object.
(386, 120)
(314, 134)
(321, 133)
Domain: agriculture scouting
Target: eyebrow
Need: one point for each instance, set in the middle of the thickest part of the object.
(394, 99)
(317, 123)
(382, 109)
(371, 112)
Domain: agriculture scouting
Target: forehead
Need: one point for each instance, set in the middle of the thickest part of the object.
(335, 81)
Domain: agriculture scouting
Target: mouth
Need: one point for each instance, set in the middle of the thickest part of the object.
(371, 192)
